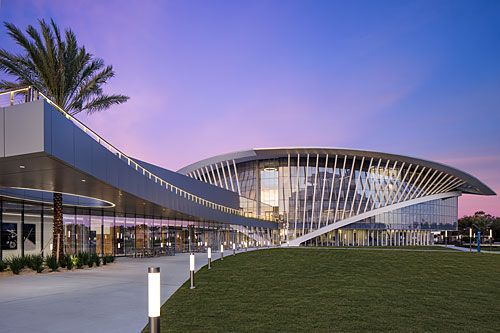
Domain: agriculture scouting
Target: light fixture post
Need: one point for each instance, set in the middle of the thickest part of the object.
(470, 239)
(154, 296)
(209, 257)
(222, 252)
(191, 269)
(234, 249)
(478, 241)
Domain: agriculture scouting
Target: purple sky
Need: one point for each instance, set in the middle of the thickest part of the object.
(418, 78)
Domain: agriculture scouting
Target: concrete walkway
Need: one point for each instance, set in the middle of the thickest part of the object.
(108, 299)
(484, 248)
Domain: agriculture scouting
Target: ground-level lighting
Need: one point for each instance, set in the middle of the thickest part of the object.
(154, 296)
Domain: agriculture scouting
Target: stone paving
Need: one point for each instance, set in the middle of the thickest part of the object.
(108, 299)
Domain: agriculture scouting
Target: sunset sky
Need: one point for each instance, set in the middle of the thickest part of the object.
(417, 78)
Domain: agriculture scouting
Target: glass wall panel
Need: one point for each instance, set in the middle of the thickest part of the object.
(12, 232)
(96, 244)
(32, 231)
(130, 235)
(108, 235)
(119, 233)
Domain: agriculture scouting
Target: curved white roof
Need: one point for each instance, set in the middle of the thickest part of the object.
(472, 184)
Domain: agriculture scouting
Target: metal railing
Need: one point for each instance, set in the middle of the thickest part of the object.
(17, 96)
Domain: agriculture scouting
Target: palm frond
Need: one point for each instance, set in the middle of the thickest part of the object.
(59, 68)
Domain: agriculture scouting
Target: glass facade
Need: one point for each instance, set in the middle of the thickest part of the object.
(305, 192)
(27, 228)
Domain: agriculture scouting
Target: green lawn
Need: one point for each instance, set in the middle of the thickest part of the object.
(308, 290)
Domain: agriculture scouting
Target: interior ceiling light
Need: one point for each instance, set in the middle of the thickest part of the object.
(22, 166)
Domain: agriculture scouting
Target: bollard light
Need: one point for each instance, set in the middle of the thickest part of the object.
(209, 257)
(154, 299)
(234, 248)
(222, 252)
(191, 269)
(470, 239)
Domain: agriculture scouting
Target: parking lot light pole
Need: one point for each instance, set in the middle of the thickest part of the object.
(154, 299)
(209, 257)
(191, 270)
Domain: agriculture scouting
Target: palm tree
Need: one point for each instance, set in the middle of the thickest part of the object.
(58, 68)
(66, 74)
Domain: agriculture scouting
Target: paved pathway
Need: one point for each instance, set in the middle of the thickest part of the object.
(108, 299)
(484, 248)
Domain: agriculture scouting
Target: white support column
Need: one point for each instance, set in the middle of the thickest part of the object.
(418, 189)
(371, 185)
(444, 182)
(364, 186)
(331, 191)
(224, 175)
(340, 190)
(202, 175)
(322, 193)
(314, 192)
(236, 176)
(218, 175)
(297, 197)
(377, 197)
(388, 185)
(356, 188)
(208, 175)
(230, 175)
(414, 184)
(305, 196)
(425, 187)
(346, 198)
(403, 193)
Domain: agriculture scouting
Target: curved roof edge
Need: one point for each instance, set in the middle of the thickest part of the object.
(478, 187)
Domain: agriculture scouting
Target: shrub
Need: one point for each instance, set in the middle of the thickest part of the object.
(90, 262)
(36, 263)
(69, 261)
(3, 265)
(16, 264)
(107, 259)
(27, 261)
(96, 259)
(51, 262)
(62, 261)
(83, 257)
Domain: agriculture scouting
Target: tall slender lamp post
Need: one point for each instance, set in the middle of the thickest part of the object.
(154, 299)
(209, 256)
(470, 239)
(191, 270)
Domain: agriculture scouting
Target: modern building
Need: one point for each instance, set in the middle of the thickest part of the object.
(342, 197)
(114, 203)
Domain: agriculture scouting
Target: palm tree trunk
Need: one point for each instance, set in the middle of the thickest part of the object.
(57, 242)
